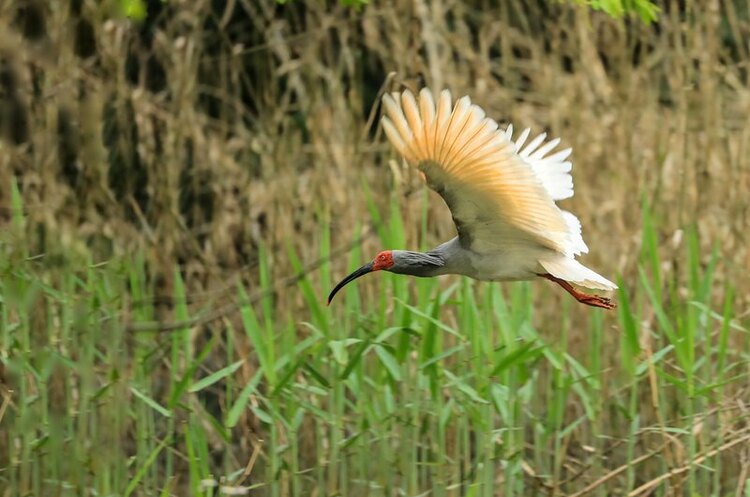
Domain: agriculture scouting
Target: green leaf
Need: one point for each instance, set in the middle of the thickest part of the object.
(214, 377)
(390, 363)
(181, 386)
(16, 203)
(339, 349)
(442, 355)
(655, 358)
(524, 354)
(262, 415)
(465, 388)
(317, 375)
(287, 377)
(144, 467)
(151, 402)
(241, 403)
(431, 319)
(354, 359)
(134, 9)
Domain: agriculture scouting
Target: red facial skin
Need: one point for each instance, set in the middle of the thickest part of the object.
(384, 260)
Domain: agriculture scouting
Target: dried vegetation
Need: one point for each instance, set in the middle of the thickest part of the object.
(205, 132)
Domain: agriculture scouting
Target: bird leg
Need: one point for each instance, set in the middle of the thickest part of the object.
(584, 298)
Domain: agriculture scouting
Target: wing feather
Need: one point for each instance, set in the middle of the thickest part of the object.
(552, 170)
(455, 125)
(401, 125)
(470, 125)
(395, 138)
(443, 114)
(493, 194)
(427, 112)
(413, 118)
(545, 149)
(533, 145)
(522, 139)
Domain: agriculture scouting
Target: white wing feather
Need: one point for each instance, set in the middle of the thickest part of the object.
(552, 170)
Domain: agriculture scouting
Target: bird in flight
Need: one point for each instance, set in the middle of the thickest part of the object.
(501, 192)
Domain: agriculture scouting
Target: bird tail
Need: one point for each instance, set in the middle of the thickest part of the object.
(578, 246)
(573, 271)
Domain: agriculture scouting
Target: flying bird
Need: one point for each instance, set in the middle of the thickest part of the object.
(501, 192)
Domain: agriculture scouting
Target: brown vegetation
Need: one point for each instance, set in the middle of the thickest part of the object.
(202, 133)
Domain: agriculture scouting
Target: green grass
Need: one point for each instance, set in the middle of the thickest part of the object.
(403, 386)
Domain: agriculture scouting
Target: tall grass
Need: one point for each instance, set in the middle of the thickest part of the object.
(211, 129)
(404, 386)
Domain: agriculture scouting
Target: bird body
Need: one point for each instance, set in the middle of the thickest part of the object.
(501, 193)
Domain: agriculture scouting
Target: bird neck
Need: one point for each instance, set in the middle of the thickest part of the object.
(418, 263)
(455, 258)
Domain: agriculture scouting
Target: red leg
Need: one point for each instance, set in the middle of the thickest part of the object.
(584, 298)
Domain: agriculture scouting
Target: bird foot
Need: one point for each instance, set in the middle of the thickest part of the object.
(584, 298)
(596, 301)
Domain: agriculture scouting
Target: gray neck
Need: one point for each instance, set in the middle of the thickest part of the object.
(443, 259)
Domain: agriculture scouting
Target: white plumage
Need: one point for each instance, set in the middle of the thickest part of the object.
(553, 170)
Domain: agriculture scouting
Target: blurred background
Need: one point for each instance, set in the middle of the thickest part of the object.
(182, 181)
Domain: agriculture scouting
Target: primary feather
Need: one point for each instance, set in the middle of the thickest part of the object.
(552, 170)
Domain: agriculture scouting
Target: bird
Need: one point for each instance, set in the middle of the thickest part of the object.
(501, 192)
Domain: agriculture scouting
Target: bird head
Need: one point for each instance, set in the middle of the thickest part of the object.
(383, 261)
(400, 262)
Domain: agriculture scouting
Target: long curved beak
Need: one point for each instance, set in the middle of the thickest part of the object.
(367, 268)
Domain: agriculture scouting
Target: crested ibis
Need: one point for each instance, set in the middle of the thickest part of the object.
(501, 192)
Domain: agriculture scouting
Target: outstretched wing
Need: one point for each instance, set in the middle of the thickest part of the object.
(496, 199)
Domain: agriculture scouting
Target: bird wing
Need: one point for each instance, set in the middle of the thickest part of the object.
(554, 173)
(496, 198)
(552, 170)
